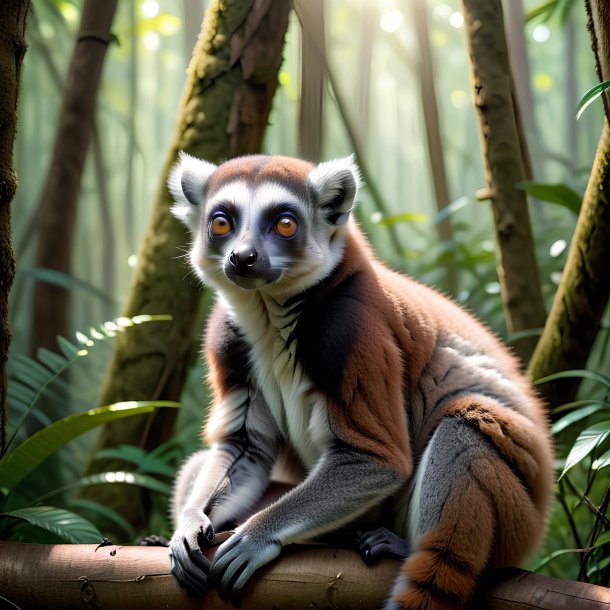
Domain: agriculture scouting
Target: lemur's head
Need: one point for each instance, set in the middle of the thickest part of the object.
(268, 223)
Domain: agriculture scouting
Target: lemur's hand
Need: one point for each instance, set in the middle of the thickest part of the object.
(248, 549)
(189, 565)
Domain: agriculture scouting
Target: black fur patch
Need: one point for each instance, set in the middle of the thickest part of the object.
(326, 332)
(228, 347)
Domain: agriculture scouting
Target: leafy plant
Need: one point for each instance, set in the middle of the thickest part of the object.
(583, 442)
(590, 96)
(19, 462)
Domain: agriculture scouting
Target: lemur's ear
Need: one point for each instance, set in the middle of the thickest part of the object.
(186, 183)
(335, 186)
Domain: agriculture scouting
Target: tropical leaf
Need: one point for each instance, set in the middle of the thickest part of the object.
(21, 461)
(34, 377)
(590, 96)
(559, 194)
(594, 376)
(111, 477)
(592, 406)
(587, 441)
(548, 558)
(145, 462)
(409, 217)
(67, 525)
(603, 461)
(102, 512)
(63, 280)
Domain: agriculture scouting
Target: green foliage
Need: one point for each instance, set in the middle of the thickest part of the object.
(590, 96)
(559, 194)
(18, 514)
(582, 528)
(551, 9)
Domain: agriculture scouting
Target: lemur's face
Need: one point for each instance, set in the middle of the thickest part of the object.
(274, 224)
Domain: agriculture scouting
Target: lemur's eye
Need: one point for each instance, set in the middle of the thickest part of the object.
(286, 226)
(220, 225)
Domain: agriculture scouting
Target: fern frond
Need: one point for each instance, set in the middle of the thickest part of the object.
(30, 378)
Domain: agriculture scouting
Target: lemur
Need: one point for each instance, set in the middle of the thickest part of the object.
(404, 414)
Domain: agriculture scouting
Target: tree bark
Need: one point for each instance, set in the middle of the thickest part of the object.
(434, 142)
(12, 50)
(37, 576)
(504, 169)
(313, 78)
(58, 206)
(582, 294)
(223, 113)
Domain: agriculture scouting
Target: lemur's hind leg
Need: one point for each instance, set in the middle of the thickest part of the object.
(469, 511)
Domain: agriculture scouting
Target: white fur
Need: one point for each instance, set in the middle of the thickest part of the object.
(298, 412)
(196, 173)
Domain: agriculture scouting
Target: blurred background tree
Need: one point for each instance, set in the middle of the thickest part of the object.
(386, 79)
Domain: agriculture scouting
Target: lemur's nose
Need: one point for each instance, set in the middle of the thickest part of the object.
(243, 257)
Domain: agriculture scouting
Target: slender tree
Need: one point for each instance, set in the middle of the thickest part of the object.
(582, 294)
(432, 126)
(224, 111)
(58, 206)
(313, 77)
(12, 50)
(504, 169)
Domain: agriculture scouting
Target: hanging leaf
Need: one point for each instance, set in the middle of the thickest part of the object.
(603, 461)
(603, 379)
(63, 523)
(110, 478)
(20, 462)
(559, 194)
(590, 96)
(593, 406)
(588, 440)
(410, 217)
(102, 512)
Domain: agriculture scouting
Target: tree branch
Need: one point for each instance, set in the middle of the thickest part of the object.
(81, 576)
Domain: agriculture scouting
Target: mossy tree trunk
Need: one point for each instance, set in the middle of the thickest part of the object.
(60, 194)
(12, 50)
(224, 111)
(582, 295)
(504, 169)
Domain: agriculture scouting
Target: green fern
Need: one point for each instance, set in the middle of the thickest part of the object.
(30, 378)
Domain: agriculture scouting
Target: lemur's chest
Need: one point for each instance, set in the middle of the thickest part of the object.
(296, 405)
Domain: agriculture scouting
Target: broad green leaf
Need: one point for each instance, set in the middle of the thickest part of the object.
(127, 453)
(603, 461)
(110, 477)
(18, 463)
(63, 280)
(590, 96)
(598, 566)
(67, 525)
(602, 539)
(559, 194)
(553, 555)
(604, 379)
(576, 415)
(588, 440)
(406, 217)
(103, 512)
